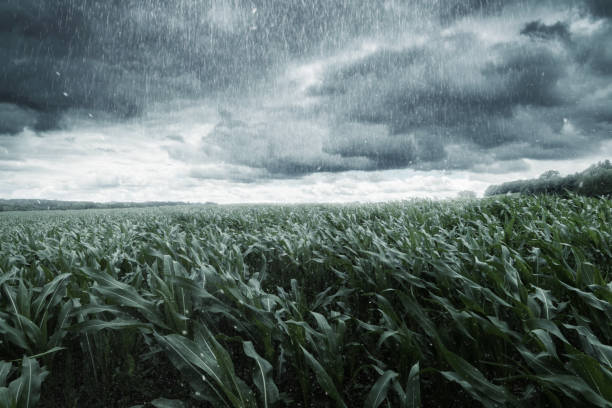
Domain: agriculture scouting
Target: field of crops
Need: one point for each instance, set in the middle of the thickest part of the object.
(500, 302)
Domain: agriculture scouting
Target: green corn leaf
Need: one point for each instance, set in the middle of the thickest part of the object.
(378, 392)
(126, 296)
(95, 325)
(26, 390)
(50, 295)
(205, 339)
(413, 389)
(473, 381)
(323, 378)
(547, 325)
(26, 334)
(590, 299)
(602, 351)
(6, 398)
(62, 322)
(5, 369)
(575, 388)
(598, 377)
(167, 403)
(262, 378)
(201, 357)
(14, 336)
(48, 352)
(199, 368)
(23, 300)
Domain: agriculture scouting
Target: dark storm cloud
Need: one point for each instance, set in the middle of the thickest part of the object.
(451, 10)
(397, 89)
(600, 8)
(538, 29)
(118, 56)
(455, 100)
(287, 146)
(595, 50)
(13, 119)
(443, 87)
(55, 59)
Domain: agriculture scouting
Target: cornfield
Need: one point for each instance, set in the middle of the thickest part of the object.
(500, 302)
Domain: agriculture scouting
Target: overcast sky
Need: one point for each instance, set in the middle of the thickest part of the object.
(298, 100)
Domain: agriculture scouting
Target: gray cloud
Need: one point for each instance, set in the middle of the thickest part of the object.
(118, 57)
(595, 50)
(286, 145)
(600, 8)
(451, 10)
(538, 29)
(381, 148)
(460, 100)
(114, 56)
(13, 118)
(454, 101)
(176, 138)
(440, 89)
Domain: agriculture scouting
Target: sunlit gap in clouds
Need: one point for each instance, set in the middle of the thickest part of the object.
(332, 102)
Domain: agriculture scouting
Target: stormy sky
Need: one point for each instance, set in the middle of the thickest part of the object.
(298, 100)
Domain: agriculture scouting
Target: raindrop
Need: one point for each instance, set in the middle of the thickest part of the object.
(57, 73)
(203, 377)
(184, 332)
(65, 93)
(254, 10)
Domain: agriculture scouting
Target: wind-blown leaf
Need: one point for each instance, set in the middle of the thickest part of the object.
(262, 377)
(167, 403)
(575, 388)
(473, 381)
(5, 369)
(323, 378)
(598, 377)
(125, 295)
(52, 291)
(201, 358)
(6, 400)
(95, 325)
(413, 389)
(378, 392)
(26, 390)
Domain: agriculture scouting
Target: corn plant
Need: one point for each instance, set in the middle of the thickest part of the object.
(500, 302)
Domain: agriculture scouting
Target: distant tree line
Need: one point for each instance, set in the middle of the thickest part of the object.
(33, 204)
(594, 181)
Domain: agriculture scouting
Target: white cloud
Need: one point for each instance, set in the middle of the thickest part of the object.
(141, 170)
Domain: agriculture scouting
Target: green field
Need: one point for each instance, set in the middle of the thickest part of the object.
(500, 302)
